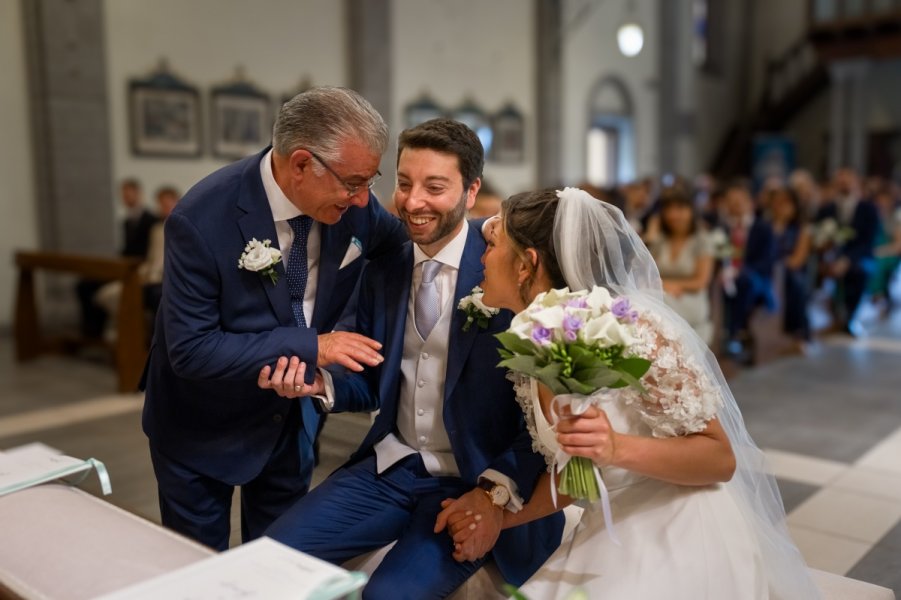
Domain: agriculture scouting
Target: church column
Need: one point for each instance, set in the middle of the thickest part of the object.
(369, 72)
(857, 121)
(549, 75)
(837, 156)
(70, 128)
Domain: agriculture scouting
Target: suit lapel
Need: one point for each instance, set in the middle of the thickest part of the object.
(397, 297)
(257, 222)
(459, 341)
(334, 239)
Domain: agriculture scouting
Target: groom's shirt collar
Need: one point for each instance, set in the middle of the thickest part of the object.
(450, 255)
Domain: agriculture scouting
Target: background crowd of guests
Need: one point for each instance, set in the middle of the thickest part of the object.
(779, 247)
(783, 246)
(142, 238)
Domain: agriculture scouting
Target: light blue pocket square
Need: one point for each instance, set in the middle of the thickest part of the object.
(354, 251)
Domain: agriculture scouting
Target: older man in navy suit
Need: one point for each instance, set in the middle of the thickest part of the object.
(221, 317)
(449, 425)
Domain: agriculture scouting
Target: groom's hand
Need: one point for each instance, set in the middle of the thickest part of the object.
(350, 350)
(474, 523)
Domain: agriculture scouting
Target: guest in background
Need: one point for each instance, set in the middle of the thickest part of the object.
(808, 192)
(850, 260)
(684, 257)
(488, 202)
(888, 245)
(151, 270)
(136, 239)
(747, 280)
(793, 243)
(638, 203)
(712, 212)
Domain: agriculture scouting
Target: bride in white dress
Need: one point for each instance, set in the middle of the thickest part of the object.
(695, 512)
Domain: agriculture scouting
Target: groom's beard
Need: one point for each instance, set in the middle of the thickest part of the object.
(445, 223)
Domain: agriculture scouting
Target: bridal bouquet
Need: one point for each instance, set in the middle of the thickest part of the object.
(828, 233)
(575, 343)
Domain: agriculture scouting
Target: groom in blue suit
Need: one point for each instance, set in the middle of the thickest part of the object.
(210, 427)
(449, 425)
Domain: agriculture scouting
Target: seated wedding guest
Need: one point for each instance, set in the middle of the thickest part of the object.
(747, 279)
(792, 236)
(135, 242)
(805, 186)
(692, 512)
(638, 203)
(849, 259)
(712, 212)
(151, 270)
(448, 422)
(262, 256)
(684, 257)
(488, 202)
(888, 246)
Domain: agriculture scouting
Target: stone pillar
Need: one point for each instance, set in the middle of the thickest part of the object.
(668, 90)
(857, 119)
(549, 75)
(68, 98)
(848, 117)
(837, 134)
(369, 72)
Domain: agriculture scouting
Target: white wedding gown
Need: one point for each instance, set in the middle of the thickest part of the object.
(677, 542)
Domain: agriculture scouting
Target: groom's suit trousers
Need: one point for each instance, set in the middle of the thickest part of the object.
(357, 510)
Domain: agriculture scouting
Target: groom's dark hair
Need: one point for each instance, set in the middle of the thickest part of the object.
(449, 137)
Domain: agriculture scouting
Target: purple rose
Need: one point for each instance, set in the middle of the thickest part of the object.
(576, 303)
(541, 335)
(621, 308)
(571, 326)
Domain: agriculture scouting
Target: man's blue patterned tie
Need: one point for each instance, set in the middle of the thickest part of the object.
(297, 266)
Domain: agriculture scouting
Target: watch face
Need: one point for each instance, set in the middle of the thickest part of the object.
(499, 495)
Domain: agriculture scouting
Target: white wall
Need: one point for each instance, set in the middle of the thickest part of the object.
(278, 43)
(468, 49)
(18, 219)
(590, 54)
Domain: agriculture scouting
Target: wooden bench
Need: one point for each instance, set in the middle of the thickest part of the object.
(130, 349)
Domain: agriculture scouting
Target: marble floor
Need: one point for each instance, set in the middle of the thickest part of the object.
(830, 423)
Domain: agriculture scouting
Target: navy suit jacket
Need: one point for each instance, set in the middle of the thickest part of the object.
(864, 222)
(760, 248)
(218, 324)
(484, 422)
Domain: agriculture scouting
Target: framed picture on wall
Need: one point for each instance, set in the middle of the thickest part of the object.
(164, 114)
(241, 120)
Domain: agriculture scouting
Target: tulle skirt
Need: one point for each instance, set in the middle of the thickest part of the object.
(676, 543)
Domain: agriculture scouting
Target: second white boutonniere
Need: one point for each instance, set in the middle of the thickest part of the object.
(261, 258)
(476, 310)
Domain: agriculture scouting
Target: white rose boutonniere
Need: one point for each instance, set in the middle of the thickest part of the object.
(260, 258)
(475, 309)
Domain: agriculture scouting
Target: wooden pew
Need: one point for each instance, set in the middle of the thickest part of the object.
(130, 349)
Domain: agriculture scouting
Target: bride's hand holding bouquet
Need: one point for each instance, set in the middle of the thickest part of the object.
(577, 345)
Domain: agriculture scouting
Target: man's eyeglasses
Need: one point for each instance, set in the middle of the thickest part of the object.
(352, 188)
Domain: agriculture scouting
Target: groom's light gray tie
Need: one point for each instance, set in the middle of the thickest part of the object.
(427, 306)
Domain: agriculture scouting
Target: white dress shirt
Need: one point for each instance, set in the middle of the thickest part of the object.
(282, 210)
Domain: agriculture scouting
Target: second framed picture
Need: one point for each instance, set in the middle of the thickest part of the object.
(165, 117)
(241, 120)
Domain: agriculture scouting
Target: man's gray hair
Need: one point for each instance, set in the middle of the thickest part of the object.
(322, 118)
